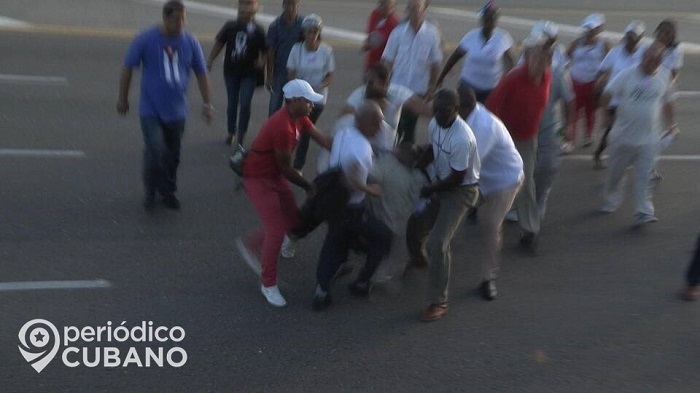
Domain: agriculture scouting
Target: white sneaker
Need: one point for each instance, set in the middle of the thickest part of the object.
(643, 218)
(248, 257)
(273, 296)
(288, 247)
(512, 216)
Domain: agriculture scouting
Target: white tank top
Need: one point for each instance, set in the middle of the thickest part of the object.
(585, 61)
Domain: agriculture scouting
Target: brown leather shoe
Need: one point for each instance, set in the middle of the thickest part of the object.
(691, 293)
(434, 312)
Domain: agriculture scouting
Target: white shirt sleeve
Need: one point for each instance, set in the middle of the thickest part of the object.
(435, 49)
(330, 62)
(392, 46)
(607, 64)
(294, 56)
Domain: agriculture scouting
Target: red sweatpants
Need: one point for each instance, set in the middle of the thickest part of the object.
(586, 100)
(274, 201)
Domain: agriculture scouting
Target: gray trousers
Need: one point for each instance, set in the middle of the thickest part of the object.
(526, 203)
(641, 158)
(454, 204)
(491, 215)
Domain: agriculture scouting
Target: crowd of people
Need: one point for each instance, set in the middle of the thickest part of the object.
(494, 142)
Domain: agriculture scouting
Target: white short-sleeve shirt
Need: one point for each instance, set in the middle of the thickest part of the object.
(640, 100)
(483, 65)
(501, 164)
(413, 54)
(312, 66)
(352, 152)
(454, 148)
(586, 60)
(396, 97)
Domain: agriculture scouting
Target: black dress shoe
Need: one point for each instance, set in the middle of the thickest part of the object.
(529, 242)
(321, 302)
(488, 290)
(171, 202)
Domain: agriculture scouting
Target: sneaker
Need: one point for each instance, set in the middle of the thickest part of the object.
(171, 202)
(567, 148)
(322, 299)
(273, 296)
(248, 257)
(643, 218)
(655, 175)
(512, 216)
(288, 247)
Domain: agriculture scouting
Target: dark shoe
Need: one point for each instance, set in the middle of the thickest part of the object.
(418, 262)
(321, 302)
(434, 312)
(229, 139)
(171, 202)
(472, 216)
(360, 288)
(691, 293)
(488, 290)
(529, 242)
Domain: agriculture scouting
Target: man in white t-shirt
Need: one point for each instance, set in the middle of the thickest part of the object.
(643, 96)
(392, 98)
(500, 178)
(452, 151)
(414, 55)
(352, 153)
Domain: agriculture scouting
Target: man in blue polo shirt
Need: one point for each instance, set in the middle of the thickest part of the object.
(166, 54)
(283, 33)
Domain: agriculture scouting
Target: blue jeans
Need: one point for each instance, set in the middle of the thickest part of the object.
(161, 154)
(303, 145)
(240, 91)
(276, 95)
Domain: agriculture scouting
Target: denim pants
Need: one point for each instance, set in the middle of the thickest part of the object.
(276, 95)
(303, 144)
(240, 92)
(342, 236)
(161, 154)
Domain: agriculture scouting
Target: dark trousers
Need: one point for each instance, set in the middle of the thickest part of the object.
(344, 235)
(303, 144)
(240, 93)
(406, 130)
(693, 274)
(276, 94)
(480, 95)
(161, 154)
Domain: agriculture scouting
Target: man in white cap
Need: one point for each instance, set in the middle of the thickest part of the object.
(267, 171)
(624, 55)
(643, 94)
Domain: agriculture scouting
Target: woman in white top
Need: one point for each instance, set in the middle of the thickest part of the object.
(311, 60)
(624, 55)
(488, 55)
(586, 54)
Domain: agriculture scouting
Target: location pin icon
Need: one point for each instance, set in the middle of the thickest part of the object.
(39, 342)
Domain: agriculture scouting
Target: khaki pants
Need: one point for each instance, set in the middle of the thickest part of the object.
(526, 203)
(491, 215)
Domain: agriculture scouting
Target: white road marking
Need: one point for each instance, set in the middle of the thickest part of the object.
(42, 285)
(42, 153)
(33, 79)
(9, 22)
(687, 94)
(671, 157)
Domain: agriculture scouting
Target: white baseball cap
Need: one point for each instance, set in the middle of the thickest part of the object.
(546, 27)
(637, 27)
(593, 21)
(297, 88)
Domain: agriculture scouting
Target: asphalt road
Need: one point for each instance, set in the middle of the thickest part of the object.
(595, 311)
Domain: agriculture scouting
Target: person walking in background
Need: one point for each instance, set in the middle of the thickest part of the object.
(643, 94)
(167, 54)
(283, 33)
(586, 53)
(488, 55)
(622, 56)
(413, 55)
(382, 22)
(519, 101)
(267, 171)
(244, 62)
(311, 60)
